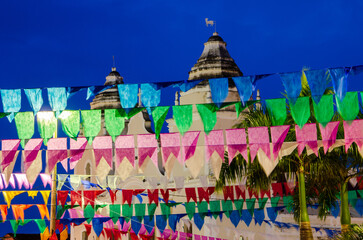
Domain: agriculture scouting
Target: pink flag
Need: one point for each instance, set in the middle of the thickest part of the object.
(11, 181)
(147, 146)
(1, 183)
(76, 151)
(170, 144)
(353, 132)
(214, 142)
(31, 151)
(22, 180)
(258, 138)
(278, 135)
(189, 142)
(307, 136)
(125, 148)
(46, 179)
(9, 150)
(56, 152)
(329, 134)
(236, 142)
(102, 147)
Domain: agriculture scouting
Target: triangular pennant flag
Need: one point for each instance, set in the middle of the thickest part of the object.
(11, 99)
(339, 79)
(128, 95)
(24, 122)
(70, 123)
(89, 213)
(64, 234)
(91, 120)
(127, 211)
(236, 142)
(9, 156)
(47, 124)
(4, 212)
(275, 200)
(62, 197)
(140, 211)
(76, 197)
(324, 111)
(32, 159)
(151, 209)
(300, 111)
(259, 216)
(227, 207)
(125, 148)
(234, 218)
(43, 210)
(348, 108)
(277, 110)
(318, 81)
(208, 115)
(75, 181)
(150, 95)
(329, 134)
(57, 99)
(292, 84)
(147, 147)
(191, 194)
(76, 151)
(244, 87)
(250, 205)
(183, 117)
(115, 212)
(127, 196)
(288, 202)
(159, 115)
(160, 223)
(35, 98)
(198, 221)
(219, 90)
(45, 195)
(240, 192)
(189, 142)
(278, 135)
(41, 225)
(94, 90)
(214, 142)
(10, 195)
(353, 132)
(114, 122)
(18, 211)
(228, 193)
(57, 151)
(21, 180)
(102, 147)
(170, 146)
(307, 136)
(258, 138)
(165, 210)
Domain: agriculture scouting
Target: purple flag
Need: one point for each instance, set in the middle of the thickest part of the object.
(125, 148)
(278, 135)
(329, 134)
(258, 138)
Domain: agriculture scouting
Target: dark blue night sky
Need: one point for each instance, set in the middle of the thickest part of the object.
(49, 43)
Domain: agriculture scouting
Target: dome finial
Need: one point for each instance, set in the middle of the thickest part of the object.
(113, 65)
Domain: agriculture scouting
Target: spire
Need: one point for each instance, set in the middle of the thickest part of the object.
(215, 61)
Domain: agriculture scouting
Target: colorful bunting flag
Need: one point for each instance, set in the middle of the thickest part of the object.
(125, 148)
(147, 147)
(244, 87)
(219, 90)
(292, 84)
(324, 111)
(258, 138)
(57, 152)
(47, 125)
(57, 99)
(307, 136)
(277, 110)
(208, 115)
(70, 123)
(128, 95)
(91, 120)
(35, 98)
(236, 143)
(318, 82)
(159, 115)
(348, 108)
(183, 117)
(353, 132)
(300, 110)
(329, 134)
(11, 99)
(24, 122)
(114, 122)
(339, 78)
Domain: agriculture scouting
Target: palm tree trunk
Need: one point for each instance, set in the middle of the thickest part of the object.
(305, 228)
(344, 207)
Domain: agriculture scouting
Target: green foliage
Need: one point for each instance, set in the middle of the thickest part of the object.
(355, 232)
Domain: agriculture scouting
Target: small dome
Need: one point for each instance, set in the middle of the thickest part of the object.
(215, 38)
(114, 77)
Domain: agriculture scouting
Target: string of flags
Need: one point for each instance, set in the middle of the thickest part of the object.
(179, 148)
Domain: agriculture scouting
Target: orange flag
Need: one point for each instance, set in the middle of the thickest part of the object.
(64, 234)
(45, 235)
(18, 211)
(43, 210)
(4, 211)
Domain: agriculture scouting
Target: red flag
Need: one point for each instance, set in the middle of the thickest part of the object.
(277, 189)
(76, 197)
(288, 190)
(88, 229)
(112, 195)
(267, 192)
(62, 197)
(251, 193)
(228, 193)
(203, 194)
(89, 197)
(190, 193)
(240, 192)
(165, 194)
(116, 234)
(127, 196)
(108, 233)
(4, 211)
(153, 196)
(54, 236)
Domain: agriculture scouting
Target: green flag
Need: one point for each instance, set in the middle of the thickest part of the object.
(288, 202)
(277, 110)
(183, 116)
(227, 207)
(127, 211)
(239, 107)
(208, 115)
(190, 209)
(251, 205)
(114, 122)
(15, 224)
(131, 113)
(202, 207)
(24, 122)
(140, 210)
(274, 201)
(41, 224)
(239, 205)
(165, 210)
(352, 197)
(115, 212)
(91, 120)
(349, 107)
(300, 111)
(215, 208)
(262, 202)
(159, 115)
(47, 125)
(151, 209)
(88, 213)
(70, 123)
(324, 111)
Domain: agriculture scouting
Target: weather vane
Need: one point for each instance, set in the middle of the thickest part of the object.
(211, 23)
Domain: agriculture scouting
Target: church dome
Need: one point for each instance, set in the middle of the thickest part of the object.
(215, 61)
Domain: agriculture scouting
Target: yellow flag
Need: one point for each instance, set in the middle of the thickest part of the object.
(45, 195)
(32, 194)
(9, 195)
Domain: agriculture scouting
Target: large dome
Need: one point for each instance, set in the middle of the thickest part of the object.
(215, 61)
